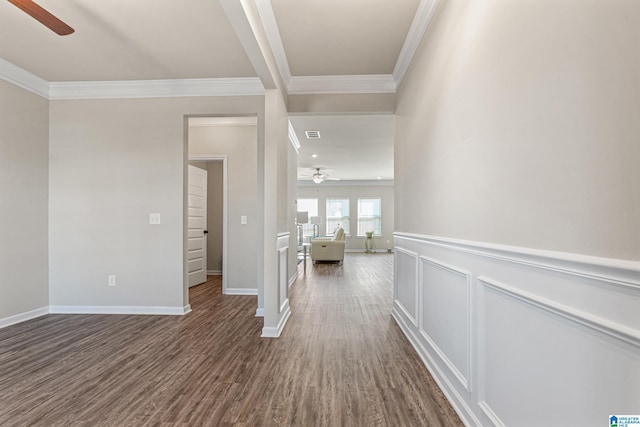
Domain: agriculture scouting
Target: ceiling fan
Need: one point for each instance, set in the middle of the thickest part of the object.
(318, 177)
(44, 16)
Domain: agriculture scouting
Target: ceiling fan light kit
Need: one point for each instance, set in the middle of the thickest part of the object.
(43, 16)
(318, 177)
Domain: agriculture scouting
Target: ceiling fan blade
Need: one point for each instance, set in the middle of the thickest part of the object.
(47, 19)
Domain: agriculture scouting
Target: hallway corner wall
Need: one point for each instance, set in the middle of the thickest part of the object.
(517, 198)
(24, 186)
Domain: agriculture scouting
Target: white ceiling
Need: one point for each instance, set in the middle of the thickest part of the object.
(351, 147)
(125, 40)
(338, 37)
(118, 40)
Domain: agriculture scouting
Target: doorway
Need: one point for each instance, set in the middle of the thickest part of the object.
(229, 143)
(213, 169)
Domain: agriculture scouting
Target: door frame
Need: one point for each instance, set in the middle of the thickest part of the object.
(225, 258)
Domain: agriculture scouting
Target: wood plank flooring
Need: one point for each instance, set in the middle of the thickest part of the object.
(341, 361)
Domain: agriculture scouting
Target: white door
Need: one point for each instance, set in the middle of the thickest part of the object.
(197, 224)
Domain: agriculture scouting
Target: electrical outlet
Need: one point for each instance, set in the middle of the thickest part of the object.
(111, 280)
(154, 218)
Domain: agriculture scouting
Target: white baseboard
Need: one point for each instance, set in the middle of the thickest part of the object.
(214, 272)
(260, 312)
(274, 332)
(448, 389)
(78, 309)
(240, 291)
(462, 303)
(293, 279)
(22, 317)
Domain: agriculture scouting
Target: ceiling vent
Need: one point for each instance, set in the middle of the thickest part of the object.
(312, 134)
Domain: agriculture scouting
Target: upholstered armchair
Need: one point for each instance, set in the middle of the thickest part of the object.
(329, 248)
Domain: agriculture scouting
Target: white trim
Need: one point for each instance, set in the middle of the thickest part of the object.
(490, 413)
(244, 22)
(107, 309)
(271, 332)
(225, 207)
(448, 389)
(23, 317)
(598, 324)
(23, 78)
(260, 312)
(421, 21)
(464, 381)
(244, 86)
(583, 266)
(415, 258)
(293, 138)
(294, 278)
(241, 291)
(272, 31)
(214, 272)
(374, 83)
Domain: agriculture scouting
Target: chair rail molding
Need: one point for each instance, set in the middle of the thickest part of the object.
(508, 330)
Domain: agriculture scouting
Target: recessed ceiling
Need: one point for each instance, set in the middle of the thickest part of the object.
(338, 37)
(164, 39)
(125, 40)
(352, 147)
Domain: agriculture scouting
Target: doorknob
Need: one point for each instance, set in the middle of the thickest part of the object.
(206, 232)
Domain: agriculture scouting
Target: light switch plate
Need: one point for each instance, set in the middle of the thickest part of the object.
(154, 218)
(243, 220)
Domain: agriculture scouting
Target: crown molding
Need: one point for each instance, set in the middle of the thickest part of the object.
(155, 88)
(293, 138)
(421, 21)
(375, 83)
(272, 31)
(24, 79)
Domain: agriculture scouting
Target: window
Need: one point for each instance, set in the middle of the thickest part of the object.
(338, 215)
(310, 206)
(369, 216)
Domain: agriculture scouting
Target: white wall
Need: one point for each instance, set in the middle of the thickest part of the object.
(240, 145)
(24, 158)
(112, 162)
(516, 132)
(353, 192)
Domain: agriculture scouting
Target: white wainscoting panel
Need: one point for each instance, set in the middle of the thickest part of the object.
(283, 278)
(445, 315)
(406, 272)
(522, 337)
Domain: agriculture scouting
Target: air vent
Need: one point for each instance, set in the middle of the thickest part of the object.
(312, 134)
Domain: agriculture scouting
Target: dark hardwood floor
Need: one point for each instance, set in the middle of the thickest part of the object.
(341, 361)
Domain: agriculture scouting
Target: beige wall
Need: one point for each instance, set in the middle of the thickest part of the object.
(240, 145)
(359, 102)
(353, 192)
(214, 215)
(518, 124)
(112, 163)
(24, 157)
